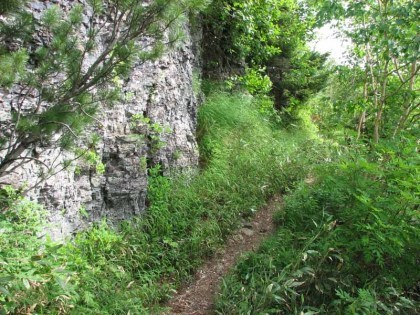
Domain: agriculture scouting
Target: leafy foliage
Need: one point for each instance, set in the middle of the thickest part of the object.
(385, 62)
(346, 244)
(261, 40)
(296, 76)
(251, 31)
(136, 267)
(347, 239)
(30, 273)
(10, 5)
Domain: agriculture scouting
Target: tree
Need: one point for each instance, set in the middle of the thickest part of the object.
(267, 40)
(386, 47)
(250, 31)
(61, 66)
(296, 75)
(10, 5)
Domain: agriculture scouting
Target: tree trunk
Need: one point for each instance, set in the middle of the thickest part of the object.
(408, 107)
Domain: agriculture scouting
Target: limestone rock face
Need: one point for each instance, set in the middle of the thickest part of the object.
(162, 91)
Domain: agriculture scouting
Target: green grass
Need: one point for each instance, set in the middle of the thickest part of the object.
(246, 157)
(348, 243)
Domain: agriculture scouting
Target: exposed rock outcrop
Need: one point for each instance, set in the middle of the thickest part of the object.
(162, 91)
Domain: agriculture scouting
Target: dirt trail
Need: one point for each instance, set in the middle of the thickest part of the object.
(197, 298)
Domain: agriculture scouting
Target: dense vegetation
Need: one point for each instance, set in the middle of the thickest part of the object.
(347, 240)
(341, 141)
(133, 269)
(347, 243)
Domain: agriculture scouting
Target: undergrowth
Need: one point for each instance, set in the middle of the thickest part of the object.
(133, 269)
(347, 241)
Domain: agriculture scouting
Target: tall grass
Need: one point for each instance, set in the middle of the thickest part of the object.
(246, 158)
(347, 243)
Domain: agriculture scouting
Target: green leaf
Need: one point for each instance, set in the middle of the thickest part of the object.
(6, 279)
(26, 283)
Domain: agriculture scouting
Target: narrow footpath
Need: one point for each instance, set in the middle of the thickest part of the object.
(197, 298)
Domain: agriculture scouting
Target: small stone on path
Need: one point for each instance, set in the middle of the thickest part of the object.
(247, 232)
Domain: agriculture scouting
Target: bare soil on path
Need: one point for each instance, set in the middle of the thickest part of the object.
(197, 297)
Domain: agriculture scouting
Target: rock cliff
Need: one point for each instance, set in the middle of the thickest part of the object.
(163, 94)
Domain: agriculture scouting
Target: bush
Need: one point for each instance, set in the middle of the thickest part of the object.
(347, 243)
(30, 273)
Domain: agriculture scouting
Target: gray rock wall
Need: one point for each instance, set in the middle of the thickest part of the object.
(164, 92)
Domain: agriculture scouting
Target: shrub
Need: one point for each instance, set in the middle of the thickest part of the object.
(347, 243)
